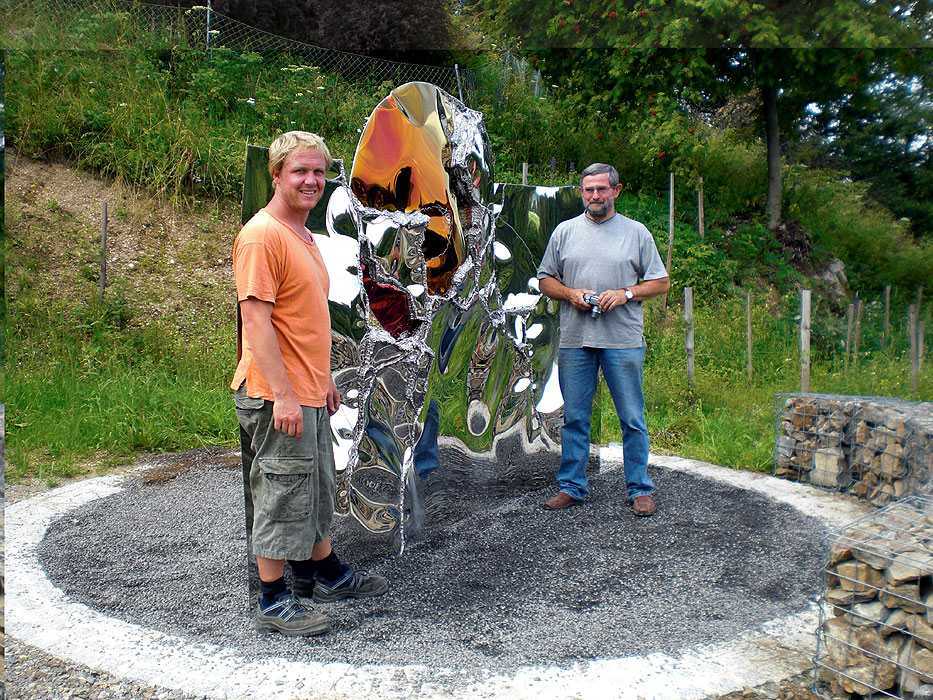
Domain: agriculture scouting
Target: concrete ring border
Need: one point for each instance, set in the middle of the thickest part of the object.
(39, 614)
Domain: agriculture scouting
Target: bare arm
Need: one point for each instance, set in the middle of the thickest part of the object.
(333, 397)
(554, 289)
(257, 324)
(648, 289)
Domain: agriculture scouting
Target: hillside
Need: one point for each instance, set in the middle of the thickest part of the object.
(141, 370)
(164, 260)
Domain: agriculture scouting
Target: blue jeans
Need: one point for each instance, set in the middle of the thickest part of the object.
(578, 372)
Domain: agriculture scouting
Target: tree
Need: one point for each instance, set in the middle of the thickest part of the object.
(884, 135)
(790, 53)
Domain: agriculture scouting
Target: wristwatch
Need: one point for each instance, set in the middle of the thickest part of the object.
(628, 294)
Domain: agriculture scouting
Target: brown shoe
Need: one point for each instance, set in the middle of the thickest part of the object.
(644, 506)
(561, 500)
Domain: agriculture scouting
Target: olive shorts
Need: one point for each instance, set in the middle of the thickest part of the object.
(288, 483)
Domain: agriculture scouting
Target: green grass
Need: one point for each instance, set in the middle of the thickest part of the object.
(90, 384)
(725, 419)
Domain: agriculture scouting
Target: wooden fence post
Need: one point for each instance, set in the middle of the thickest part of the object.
(524, 173)
(702, 217)
(103, 251)
(670, 235)
(748, 335)
(858, 328)
(689, 342)
(921, 343)
(886, 329)
(804, 341)
(850, 317)
(914, 353)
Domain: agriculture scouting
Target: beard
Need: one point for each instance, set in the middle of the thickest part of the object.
(598, 209)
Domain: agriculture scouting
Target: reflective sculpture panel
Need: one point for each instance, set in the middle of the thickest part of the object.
(444, 350)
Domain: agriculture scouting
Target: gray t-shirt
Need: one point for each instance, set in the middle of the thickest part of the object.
(614, 254)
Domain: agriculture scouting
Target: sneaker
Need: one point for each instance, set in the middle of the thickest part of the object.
(288, 616)
(352, 584)
(303, 587)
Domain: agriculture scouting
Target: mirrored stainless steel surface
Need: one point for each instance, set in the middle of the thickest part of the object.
(441, 338)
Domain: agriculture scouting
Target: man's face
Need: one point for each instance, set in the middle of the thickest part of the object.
(300, 180)
(598, 196)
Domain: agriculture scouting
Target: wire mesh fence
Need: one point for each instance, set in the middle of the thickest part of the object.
(200, 27)
(877, 449)
(757, 337)
(875, 637)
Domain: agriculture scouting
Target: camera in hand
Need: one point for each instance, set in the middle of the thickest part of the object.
(593, 301)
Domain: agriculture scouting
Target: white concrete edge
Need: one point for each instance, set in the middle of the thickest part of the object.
(39, 614)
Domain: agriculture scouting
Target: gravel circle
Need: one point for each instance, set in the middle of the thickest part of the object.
(496, 583)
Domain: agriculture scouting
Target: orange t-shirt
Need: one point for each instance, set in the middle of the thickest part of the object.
(273, 263)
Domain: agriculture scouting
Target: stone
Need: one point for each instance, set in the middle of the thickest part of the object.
(909, 566)
(865, 659)
(905, 597)
(924, 691)
(869, 615)
(896, 424)
(839, 596)
(915, 626)
(874, 557)
(829, 468)
(785, 445)
(859, 577)
(916, 665)
(840, 551)
(892, 462)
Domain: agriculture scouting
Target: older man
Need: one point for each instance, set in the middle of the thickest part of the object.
(601, 266)
(284, 394)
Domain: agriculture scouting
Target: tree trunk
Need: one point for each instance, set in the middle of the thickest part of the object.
(773, 138)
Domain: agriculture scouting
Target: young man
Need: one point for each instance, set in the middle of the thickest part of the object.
(614, 258)
(284, 395)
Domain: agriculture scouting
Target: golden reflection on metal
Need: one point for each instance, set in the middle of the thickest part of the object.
(402, 165)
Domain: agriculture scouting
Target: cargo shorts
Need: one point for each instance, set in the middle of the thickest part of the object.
(288, 483)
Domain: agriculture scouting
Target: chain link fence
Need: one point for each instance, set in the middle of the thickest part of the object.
(200, 27)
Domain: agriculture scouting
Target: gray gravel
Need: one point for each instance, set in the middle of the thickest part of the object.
(33, 674)
(496, 583)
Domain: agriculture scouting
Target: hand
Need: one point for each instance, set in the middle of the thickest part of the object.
(576, 298)
(287, 417)
(333, 398)
(612, 298)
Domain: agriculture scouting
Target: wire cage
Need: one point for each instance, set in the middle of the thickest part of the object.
(877, 449)
(876, 616)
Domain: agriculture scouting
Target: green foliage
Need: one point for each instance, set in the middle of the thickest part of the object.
(167, 117)
(95, 380)
(875, 248)
(158, 113)
(724, 418)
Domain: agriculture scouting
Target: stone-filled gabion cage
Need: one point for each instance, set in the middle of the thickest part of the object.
(877, 449)
(876, 623)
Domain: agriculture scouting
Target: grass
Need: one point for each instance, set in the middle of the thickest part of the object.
(108, 396)
(725, 419)
(93, 382)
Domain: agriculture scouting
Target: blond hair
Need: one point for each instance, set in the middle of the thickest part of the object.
(295, 141)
